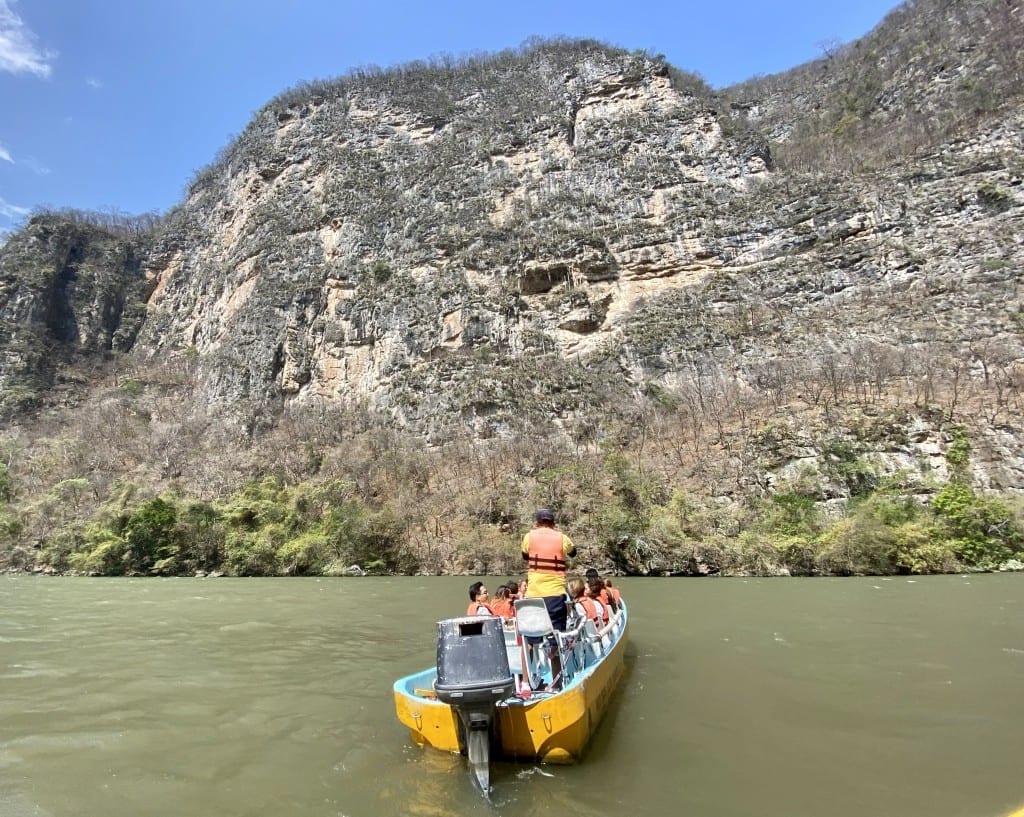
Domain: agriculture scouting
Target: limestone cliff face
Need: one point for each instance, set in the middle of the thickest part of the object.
(542, 236)
(358, 245)
(581, 220)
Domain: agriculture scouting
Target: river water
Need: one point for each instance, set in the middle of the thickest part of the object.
(743, 698)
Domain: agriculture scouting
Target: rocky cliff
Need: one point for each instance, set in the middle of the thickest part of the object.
(69, 288)
(554, 236)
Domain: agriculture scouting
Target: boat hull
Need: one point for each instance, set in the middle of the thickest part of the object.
(545, 727)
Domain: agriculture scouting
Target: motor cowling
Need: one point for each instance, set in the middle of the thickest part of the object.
(472, 664)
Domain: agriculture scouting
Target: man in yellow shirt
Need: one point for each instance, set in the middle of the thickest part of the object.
(546, 552)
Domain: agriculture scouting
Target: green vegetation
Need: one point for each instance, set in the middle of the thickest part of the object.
(624, 517)
(994, 197)
(980, 531)
(265, 529)
(6, 485)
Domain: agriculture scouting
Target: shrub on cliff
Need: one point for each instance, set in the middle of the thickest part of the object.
(981, 531)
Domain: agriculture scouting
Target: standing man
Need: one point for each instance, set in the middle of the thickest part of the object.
(546, 552)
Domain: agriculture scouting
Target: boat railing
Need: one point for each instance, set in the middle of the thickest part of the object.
(585, 644)
(612, 629)
(572, 647)
(579, 648)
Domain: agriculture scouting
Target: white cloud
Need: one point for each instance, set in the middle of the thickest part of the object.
(12, 210)
(33, 164)
(30, 162)
(18, 51)
(93, 83)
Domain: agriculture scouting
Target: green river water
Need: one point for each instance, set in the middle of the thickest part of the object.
(742, 698)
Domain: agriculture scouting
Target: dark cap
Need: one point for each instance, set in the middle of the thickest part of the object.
(544, 515)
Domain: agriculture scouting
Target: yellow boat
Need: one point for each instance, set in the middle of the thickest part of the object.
(528, 693)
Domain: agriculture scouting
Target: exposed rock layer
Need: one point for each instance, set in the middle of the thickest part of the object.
(545, 234)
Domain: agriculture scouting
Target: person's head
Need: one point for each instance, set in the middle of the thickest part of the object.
(592, 573)
(477, 592)
(513, 589)
(575, 588)
(544, 518)
(594, 587)
(501, 592)
(610, 596)
(522, 588)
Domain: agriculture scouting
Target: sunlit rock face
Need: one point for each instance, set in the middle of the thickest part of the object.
(404, 236)
(544, 234)
(427, 240)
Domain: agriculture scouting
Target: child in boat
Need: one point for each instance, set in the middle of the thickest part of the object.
(514, 593)
(502, 604)
(583, 605)
(596, 593)
(602, 594)
(478, 605)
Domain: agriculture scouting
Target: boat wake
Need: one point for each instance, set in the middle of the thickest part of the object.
(524, 773)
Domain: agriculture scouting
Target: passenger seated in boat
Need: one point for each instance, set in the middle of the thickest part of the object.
(502, 604)
(478, 605)
(594, 591)
(583, 606)
(603, 596)
(607, 598)
(613, 592)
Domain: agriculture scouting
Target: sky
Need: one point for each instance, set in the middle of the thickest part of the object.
(114, 105)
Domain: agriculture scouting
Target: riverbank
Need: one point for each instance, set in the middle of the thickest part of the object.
(354, 571)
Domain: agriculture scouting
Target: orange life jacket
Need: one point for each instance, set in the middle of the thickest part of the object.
(546, 554)
(590, 608)
(503, 608)
(474, 606)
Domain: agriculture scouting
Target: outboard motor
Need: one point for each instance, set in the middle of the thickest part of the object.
(472, 676)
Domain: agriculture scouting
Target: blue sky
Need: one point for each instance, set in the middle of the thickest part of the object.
(113, 105)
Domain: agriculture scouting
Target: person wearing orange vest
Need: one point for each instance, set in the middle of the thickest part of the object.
(546, 552)
(595, 592)
(601, 592)
(583, 605)
(478, 605)
(502, 604)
